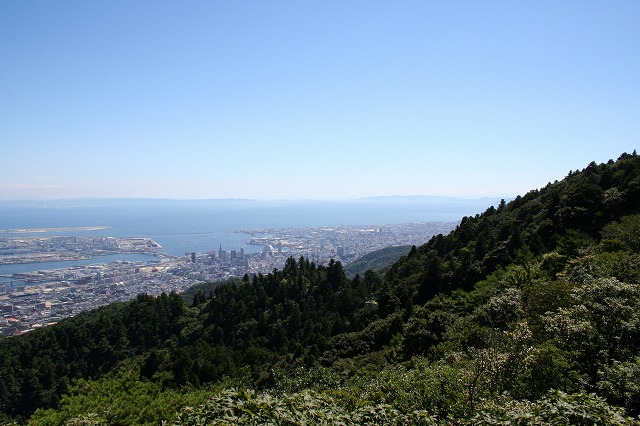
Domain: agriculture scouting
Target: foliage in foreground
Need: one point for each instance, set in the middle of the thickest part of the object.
(233, 407)
(246, 407)
(526, 314)
(422, 393)
(119, 398)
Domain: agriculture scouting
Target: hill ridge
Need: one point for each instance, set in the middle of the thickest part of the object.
(523, 310)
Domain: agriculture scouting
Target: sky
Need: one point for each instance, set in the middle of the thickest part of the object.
(312, 99)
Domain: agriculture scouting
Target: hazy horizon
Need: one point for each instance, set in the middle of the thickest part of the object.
(284, 100)
(382, 198)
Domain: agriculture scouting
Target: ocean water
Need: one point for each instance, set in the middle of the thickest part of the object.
(205, 225)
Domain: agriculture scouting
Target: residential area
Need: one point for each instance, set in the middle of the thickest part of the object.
(34, 299)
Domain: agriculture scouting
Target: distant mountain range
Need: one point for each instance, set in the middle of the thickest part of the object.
(427, 198)
(175, 201)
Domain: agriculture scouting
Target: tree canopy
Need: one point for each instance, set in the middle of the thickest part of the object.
(526, 313)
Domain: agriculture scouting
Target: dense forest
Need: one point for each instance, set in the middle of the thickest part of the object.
(528, 313)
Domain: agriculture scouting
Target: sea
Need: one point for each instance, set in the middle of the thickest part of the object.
(184, 226)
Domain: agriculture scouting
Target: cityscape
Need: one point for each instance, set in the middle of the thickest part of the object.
(37, 298)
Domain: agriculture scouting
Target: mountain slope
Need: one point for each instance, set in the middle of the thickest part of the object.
(378, 261)
(521, 311)
(549, 219)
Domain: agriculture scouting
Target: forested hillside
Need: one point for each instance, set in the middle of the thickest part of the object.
(378, 261)
(528, 313)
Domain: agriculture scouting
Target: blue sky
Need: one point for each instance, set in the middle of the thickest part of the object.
(314, 99)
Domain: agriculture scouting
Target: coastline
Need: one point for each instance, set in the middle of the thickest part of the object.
(44, 230)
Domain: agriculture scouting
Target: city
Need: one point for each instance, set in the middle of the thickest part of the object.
(35, 299)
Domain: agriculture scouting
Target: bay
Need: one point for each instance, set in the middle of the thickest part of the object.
(183, 226)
